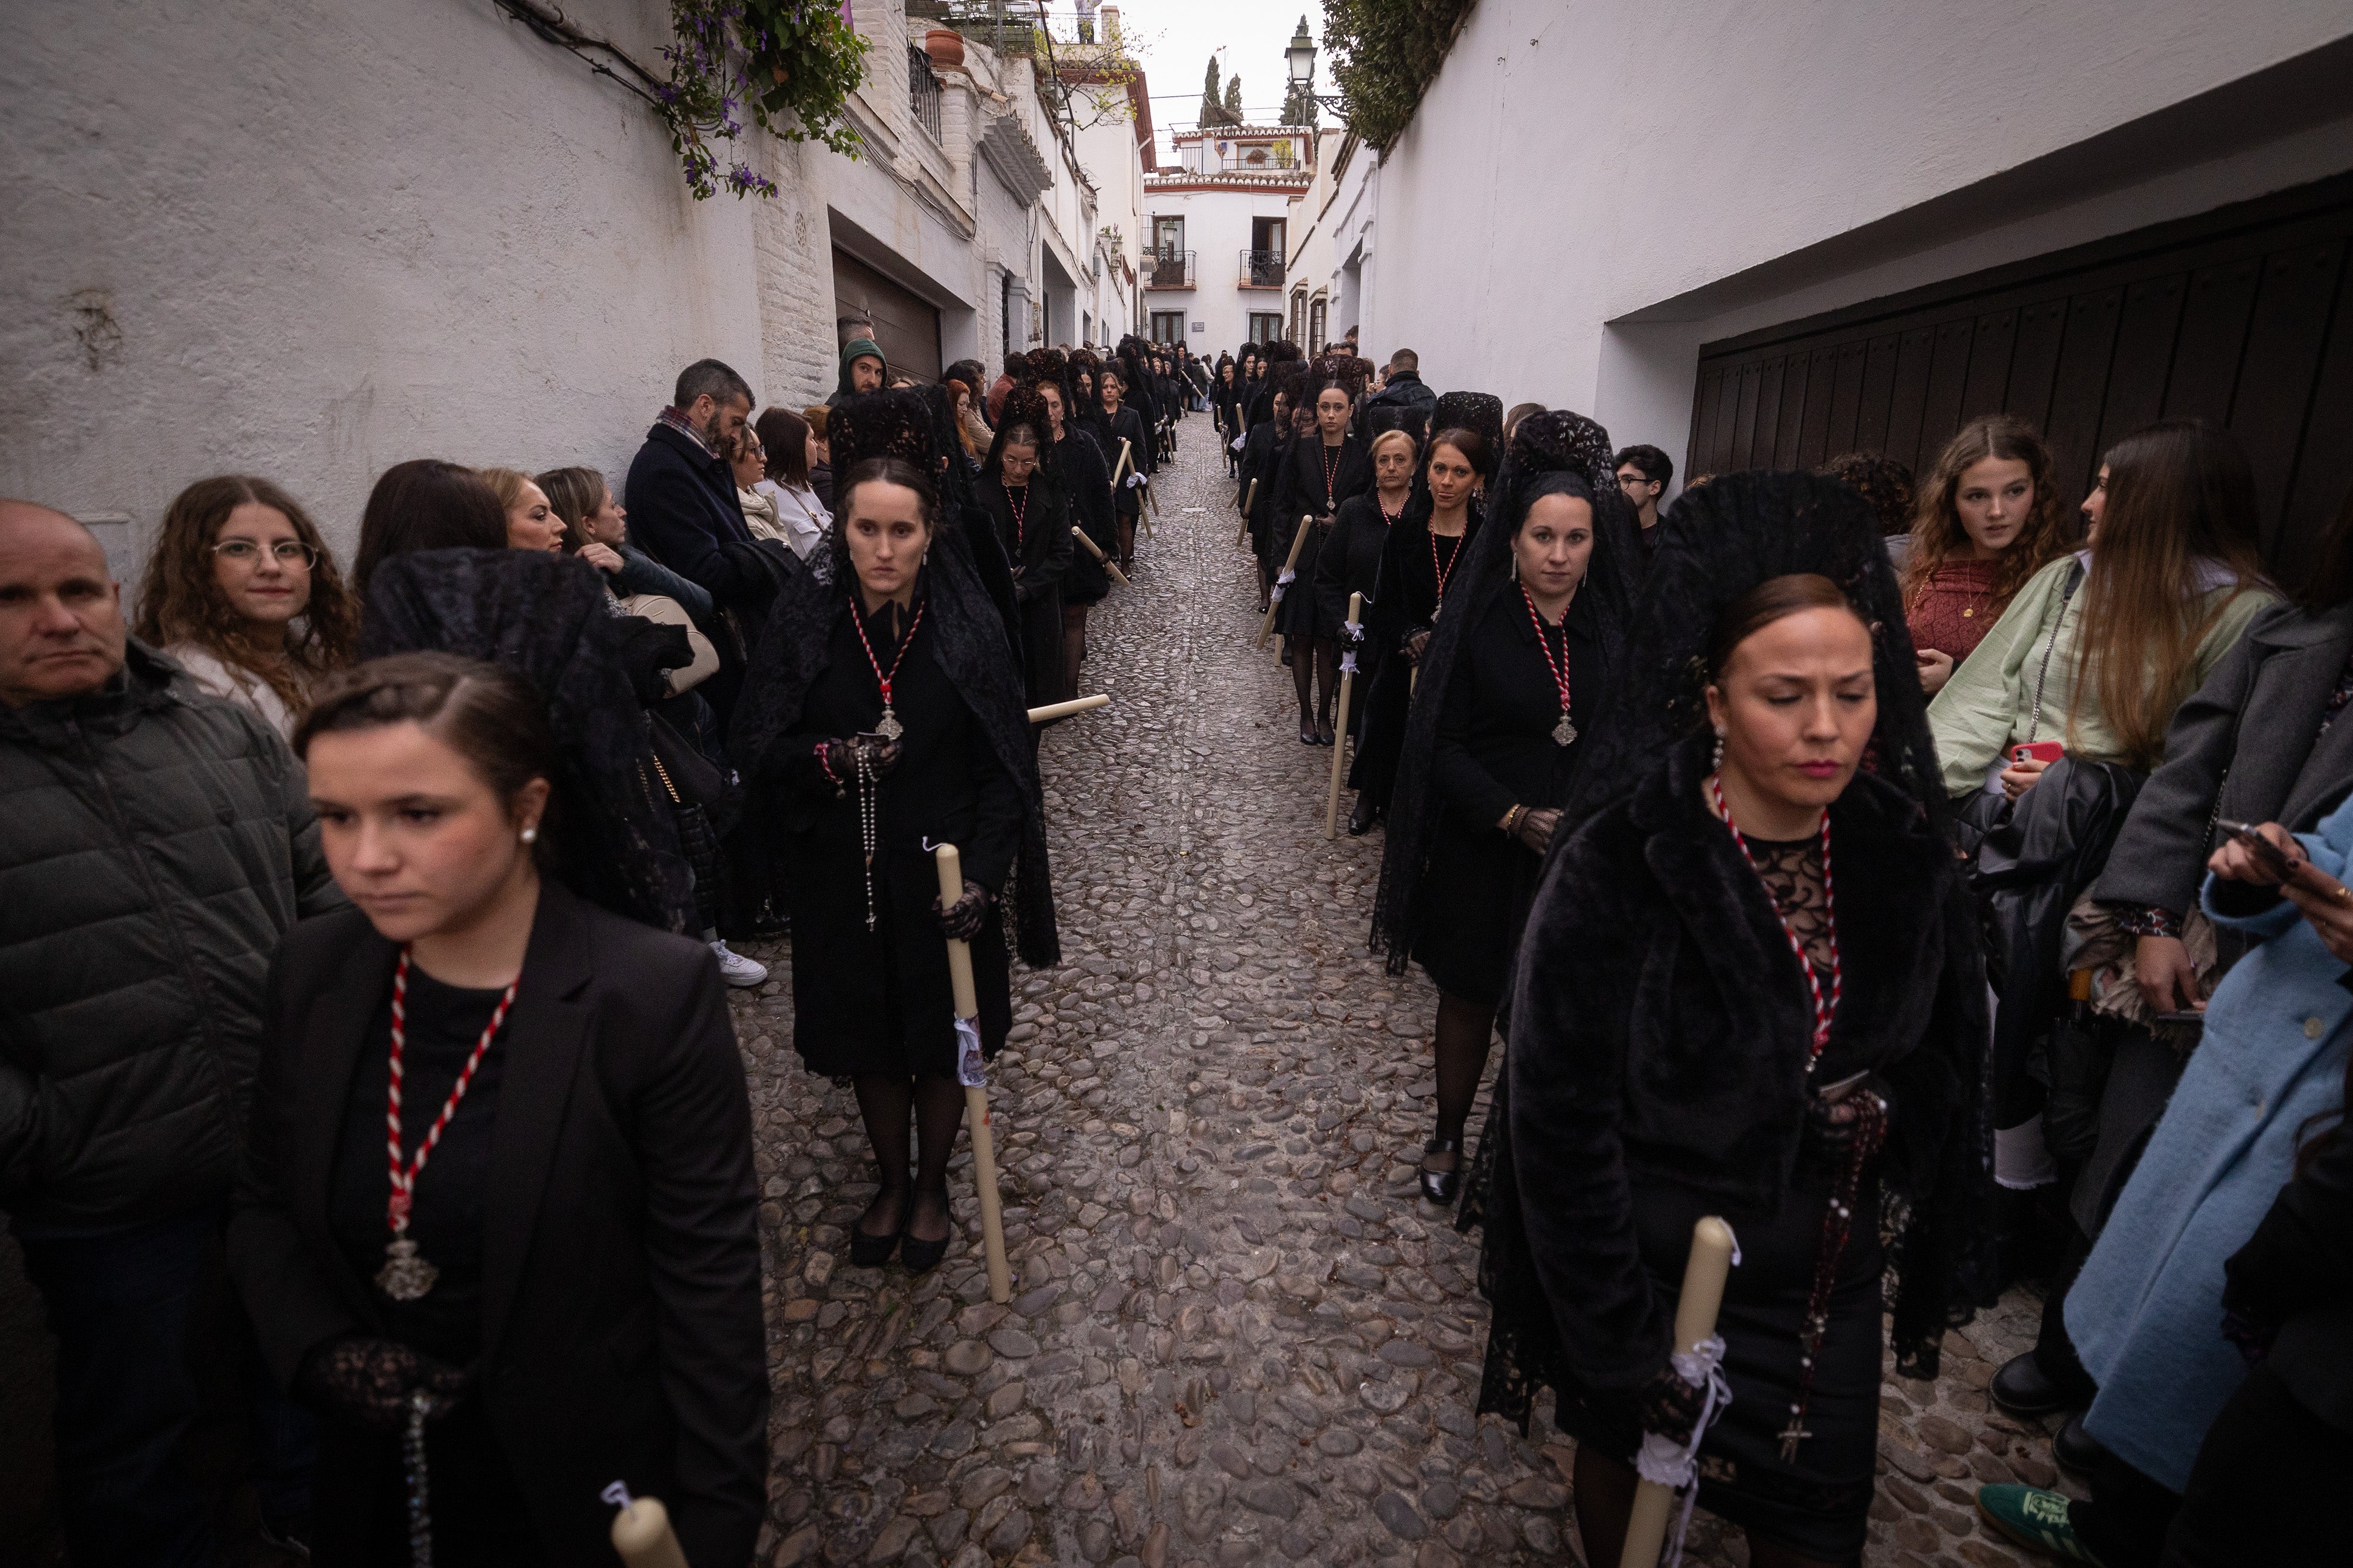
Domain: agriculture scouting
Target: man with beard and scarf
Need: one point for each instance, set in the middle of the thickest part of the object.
(863, 370)
(681, 493)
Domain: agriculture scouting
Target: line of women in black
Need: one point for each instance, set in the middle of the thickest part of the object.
(1688, 850)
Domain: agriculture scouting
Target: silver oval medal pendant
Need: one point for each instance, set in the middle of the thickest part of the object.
(1563, 731)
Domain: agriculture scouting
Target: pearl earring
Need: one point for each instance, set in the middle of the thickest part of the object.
(531, 834)
(1718, 764)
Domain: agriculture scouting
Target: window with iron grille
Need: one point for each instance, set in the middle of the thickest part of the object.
(923, 91)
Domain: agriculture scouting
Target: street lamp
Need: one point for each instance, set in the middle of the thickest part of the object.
(1301, 57)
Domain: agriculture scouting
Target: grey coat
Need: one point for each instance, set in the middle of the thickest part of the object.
(2273, 769)
(158, 844)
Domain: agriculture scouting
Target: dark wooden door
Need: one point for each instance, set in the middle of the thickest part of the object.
(2243, 315)
(905, 324)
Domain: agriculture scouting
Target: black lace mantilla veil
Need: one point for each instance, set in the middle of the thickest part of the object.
(1718, 542)
(548, 618)
(1553, 452)
(966, 619)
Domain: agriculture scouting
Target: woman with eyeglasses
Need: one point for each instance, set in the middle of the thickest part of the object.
(242, 593)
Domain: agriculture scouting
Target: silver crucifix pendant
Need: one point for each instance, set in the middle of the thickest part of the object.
(404, 1277)
(1563, 731)
(1792, 1435)
(890, 728)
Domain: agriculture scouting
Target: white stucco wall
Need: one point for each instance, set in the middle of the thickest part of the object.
(308, 239)
(1552, 182)
(1217, 230)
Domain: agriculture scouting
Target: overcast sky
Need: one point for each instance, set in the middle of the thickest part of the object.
(1174, 39)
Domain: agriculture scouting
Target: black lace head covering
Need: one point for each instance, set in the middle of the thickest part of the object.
(968, 622)
(894, 424)
(1551, 454)
(1718, 543)
(1023, 407)
(548, 618)
(1477, 411)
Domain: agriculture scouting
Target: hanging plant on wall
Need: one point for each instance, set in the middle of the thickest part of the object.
(1384, 54)
(787, 65)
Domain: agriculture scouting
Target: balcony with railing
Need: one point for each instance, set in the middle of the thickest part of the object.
(1262, 269)
(923, 91)
(1169, 270)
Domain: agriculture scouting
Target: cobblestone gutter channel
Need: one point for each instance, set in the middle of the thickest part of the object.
(1237, 1335)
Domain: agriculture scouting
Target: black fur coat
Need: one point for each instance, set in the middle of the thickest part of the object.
(1660, 1035)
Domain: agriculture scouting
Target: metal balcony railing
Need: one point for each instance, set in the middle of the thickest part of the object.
(1168, 269)
(923, 91)
(1262, 269)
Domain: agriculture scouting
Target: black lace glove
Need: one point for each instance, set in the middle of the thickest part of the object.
(961, 918)
(841, 757)
(371, 1380)
(1534, 826)
(1670, 1407)
(1830, 1123)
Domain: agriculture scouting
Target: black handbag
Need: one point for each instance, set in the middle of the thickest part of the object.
(700, 844)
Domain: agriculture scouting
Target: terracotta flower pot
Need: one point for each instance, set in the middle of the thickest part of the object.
(945, 46)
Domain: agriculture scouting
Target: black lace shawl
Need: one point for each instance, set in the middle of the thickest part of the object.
(547, 617)
(962, 615)
(1553, 453)
(906, 423)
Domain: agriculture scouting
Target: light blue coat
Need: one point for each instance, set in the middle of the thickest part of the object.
(2147, 1312)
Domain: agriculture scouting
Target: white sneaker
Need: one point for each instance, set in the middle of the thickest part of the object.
(737, 970)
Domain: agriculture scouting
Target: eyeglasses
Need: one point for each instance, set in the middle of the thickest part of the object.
(287, 553)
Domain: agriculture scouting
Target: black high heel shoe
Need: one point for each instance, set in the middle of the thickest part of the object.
(919, 1256)
(1308, 735)
(1439, 1187)
(1361, 819)
(870, 1251)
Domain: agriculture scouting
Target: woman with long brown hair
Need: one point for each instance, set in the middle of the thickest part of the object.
(241, 590)
(1987, 517)
(2098, 648)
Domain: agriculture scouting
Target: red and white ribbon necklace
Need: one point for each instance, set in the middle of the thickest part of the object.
(1331, 456)
(889, 728)
(1825, 1008)
(406, 1277)
(1565, 732)
(1020, 509)
(1442, 573)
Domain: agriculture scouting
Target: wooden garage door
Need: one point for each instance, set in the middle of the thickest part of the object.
(2243, 315)
(905, 323)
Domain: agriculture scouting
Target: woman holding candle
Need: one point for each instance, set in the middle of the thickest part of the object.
(886, 716)
(1023, 496)
(572, 1184)
(1988, 518)
(1086, 583)
(1115, 423)
(1350, 560)
(1748, 987)
(1511, 681)
(1322, 470)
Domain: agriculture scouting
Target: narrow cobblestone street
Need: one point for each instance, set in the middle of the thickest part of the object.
(1237, 1335)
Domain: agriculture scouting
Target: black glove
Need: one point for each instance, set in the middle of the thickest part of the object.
(371, 1380)
(1670, 1407)
(650, 651)
(962, 919)
(841, 756)
(1831, 1124)
(1535, 828)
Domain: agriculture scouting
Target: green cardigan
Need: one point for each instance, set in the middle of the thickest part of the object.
(1989, 704)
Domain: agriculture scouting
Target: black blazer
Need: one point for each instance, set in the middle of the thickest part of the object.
(1350, 560)
(622, 1336)
(1660, 1033)
(2279, 768)
(681, 515)
(1298, 489)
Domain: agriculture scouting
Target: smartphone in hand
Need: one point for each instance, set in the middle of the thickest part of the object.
(2038, 751)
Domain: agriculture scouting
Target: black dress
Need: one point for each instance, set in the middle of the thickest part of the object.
(1657, 1072)
(1254, 486)
(1127, 500)
(878, 1002)
(1088, 482)
(1033, 526)
(1496, 750)
(1412, 561)
(1310, 481)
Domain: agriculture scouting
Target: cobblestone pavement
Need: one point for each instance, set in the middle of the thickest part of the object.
(1236, 1335)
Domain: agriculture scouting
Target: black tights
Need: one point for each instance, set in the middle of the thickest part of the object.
(1464, 1030)
(938, 1106)
(1322, 670)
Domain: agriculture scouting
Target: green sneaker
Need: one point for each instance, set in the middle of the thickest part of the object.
(2035, 1519)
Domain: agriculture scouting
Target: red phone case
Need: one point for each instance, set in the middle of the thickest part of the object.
(2040, 750)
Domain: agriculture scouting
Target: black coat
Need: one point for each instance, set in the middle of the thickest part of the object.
(1350, 563)
(622, 1336)
(1088, 482)
(879, 1002)
(1406, 602)
(1040, 547)
(1312, 480)
(1660, 1035)
(2281, 768)
(1494, 751)
(1254, 485)
(1108, 434)
(683, 510)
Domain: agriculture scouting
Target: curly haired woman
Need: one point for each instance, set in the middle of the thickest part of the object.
(242, 592)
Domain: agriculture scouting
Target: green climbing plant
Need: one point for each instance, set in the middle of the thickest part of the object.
(787, 65)
(1385, 54)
